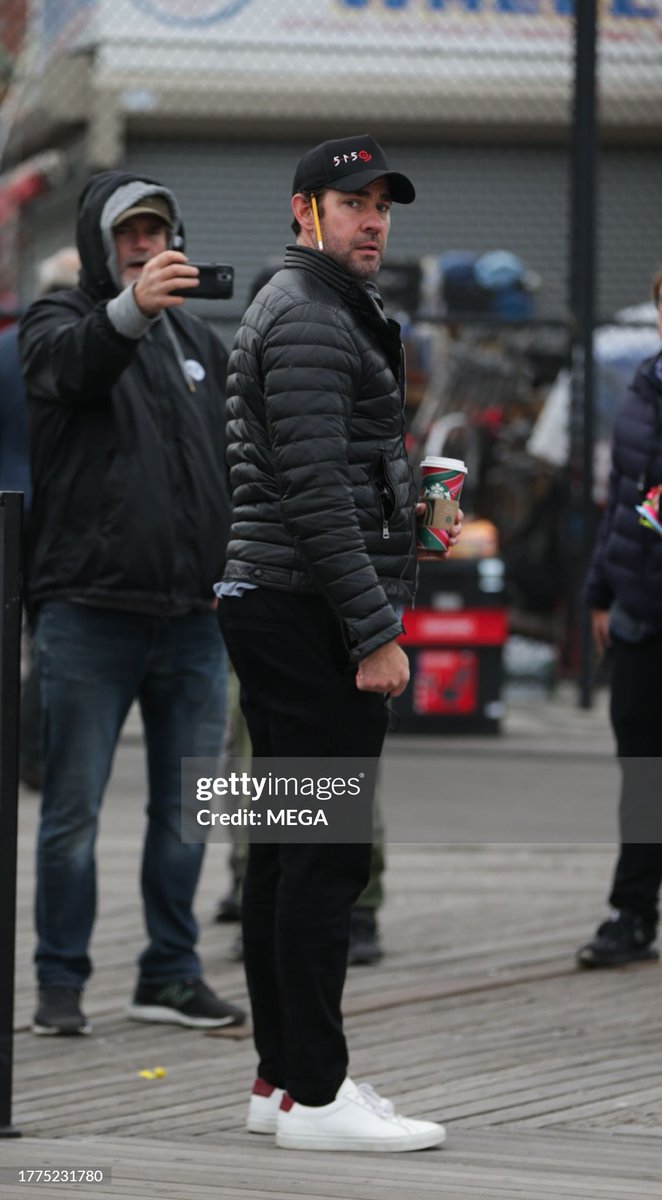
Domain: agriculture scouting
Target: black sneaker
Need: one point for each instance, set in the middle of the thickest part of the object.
(229, 906)
(60, 1013)
(364, 944)
(183, 1002)
(622, 938)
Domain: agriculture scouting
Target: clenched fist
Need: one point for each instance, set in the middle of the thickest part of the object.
(386, 670)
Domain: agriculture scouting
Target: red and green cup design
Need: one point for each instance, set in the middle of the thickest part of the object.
(441, 485)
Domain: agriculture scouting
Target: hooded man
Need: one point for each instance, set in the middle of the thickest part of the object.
(127, 535)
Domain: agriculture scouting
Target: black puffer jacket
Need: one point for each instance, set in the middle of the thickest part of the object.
(130, 503)
(323, 497)
(627, 561)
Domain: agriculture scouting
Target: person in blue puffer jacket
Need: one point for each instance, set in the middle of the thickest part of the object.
(624, 592)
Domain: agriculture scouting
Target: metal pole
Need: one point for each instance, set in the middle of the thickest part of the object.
(582, 277)
(11, 517)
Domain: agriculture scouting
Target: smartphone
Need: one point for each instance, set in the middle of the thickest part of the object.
(215, 282)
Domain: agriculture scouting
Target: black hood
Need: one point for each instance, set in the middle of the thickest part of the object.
(96, 277)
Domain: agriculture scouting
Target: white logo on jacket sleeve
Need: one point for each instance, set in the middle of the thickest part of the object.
(195, 370)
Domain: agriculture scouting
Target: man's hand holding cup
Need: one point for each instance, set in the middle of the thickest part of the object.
(438, 514)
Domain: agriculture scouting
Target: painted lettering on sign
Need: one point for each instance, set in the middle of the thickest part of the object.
(529, 8)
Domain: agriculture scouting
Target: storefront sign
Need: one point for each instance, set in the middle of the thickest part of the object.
(311, 37)
(191, 12)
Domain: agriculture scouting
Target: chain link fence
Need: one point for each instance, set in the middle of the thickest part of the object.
(471, 98)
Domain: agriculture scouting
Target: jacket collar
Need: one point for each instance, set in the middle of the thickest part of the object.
(314, 262)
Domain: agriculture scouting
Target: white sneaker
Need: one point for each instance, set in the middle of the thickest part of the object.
(358, 1119)
(263, 1107)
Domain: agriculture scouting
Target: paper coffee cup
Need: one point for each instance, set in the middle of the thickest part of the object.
(441, 485)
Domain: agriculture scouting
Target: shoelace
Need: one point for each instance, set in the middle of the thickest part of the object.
(372, 1099)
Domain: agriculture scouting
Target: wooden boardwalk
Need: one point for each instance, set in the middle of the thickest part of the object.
(549, 1080)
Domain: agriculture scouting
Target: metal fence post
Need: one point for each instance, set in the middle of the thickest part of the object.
(11, 518)
(582, 284)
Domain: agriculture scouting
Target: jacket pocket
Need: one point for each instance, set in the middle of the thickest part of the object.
(386, 493)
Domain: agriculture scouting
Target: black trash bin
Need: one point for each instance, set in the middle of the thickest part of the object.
(454, 639)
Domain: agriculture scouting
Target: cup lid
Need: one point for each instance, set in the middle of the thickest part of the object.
(448, 464)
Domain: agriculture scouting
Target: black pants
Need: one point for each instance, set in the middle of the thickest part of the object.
(299, 698)
(636, 715)
(31, 750)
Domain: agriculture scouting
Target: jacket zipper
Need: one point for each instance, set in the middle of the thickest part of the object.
(386, 489)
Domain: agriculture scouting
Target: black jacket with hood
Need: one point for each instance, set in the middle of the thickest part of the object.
(130, 505)
(323, 497)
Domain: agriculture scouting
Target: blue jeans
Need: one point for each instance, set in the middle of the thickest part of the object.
(93, 663)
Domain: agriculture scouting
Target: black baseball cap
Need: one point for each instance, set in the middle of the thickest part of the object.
(347, 164)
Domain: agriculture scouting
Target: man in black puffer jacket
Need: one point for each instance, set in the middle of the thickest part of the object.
(127, 531)
(624, 591)
(320, 563)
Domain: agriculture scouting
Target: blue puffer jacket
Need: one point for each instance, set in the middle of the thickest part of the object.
(627, 560)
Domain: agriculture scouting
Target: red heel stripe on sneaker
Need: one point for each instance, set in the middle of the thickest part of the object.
(262, 1088)
(286, 1103)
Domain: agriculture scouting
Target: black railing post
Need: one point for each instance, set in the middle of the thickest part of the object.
(582, 288)
(11, 519)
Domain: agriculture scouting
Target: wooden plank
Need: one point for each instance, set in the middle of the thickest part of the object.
(140, 1167)
(546, 1077)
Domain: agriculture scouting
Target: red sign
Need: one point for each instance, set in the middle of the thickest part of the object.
(467, 627)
